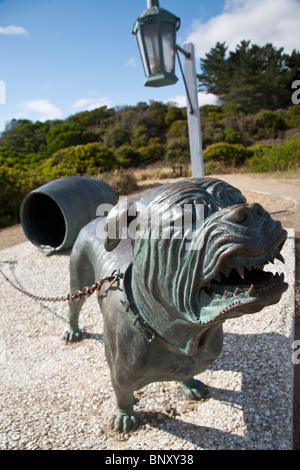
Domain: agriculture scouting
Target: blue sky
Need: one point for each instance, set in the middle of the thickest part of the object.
(62, 57)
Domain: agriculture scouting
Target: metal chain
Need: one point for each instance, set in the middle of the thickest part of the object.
(85, 292)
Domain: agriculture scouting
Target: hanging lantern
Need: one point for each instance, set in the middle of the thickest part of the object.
(155, 31)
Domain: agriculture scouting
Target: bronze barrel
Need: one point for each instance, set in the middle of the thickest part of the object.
(53, 214)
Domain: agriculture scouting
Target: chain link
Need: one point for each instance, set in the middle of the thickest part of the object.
(85, 292)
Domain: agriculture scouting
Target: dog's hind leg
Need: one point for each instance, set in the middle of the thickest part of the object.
(81, 275)
(74, 333)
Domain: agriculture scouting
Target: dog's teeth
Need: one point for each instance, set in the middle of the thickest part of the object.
(271, 260)
(251, 290)
(280, 257)
(240, 270)
(227, 294)
(281, 277)
(237, 291)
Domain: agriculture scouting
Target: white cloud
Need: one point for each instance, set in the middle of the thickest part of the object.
(260, 21)
(132, 62)
(88, 104)
(203, 98)
(13, 30)
(43, 109)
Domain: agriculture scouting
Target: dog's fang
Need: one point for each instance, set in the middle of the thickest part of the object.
(240, 270)
(251, 289)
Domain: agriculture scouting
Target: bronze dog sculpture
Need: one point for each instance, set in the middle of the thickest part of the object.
(163, 320)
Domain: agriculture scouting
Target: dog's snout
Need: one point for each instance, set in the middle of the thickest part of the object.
(246, 214)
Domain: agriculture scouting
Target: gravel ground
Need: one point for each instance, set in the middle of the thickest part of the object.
(59, 396)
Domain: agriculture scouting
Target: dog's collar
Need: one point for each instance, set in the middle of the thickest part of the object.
(140, 323)
(128, 302)
(145, 329)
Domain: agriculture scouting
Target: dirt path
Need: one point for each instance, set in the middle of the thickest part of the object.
(280, 197)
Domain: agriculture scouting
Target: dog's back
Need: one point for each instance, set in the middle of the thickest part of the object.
(90, 262)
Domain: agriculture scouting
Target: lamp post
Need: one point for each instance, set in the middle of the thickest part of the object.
(155, 30)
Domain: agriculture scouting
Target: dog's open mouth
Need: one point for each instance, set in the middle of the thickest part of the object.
(244, 288)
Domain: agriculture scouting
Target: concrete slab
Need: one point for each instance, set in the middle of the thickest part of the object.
(58, 396)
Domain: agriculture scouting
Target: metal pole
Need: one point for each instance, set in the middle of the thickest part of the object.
(152, 3)
(193, 113)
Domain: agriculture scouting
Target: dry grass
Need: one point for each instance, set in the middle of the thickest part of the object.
(162, 172)
(121, 181)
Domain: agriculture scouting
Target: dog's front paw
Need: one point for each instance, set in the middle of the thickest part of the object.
(194, 389)
(124, 421)
(71, 336)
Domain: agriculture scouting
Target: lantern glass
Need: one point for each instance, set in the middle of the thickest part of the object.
(142, 52)
(151, 38)
(168, 35)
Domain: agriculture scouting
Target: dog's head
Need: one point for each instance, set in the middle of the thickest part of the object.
(198, 256)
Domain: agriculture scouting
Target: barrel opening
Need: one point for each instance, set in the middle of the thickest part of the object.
(43, 220)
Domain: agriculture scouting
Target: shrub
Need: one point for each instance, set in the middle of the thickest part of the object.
(173, 114)
(127, 156)
(153, 151)
(293, 116)
(264, 125)
(275, 158)
(231, 136)
(234, 109)
(229, 154)
(178, 128)
(210, 110)
(269, 124)
(78, 160)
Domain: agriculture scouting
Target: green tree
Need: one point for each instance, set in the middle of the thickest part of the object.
(157, 112)
(215, 71)
(178, 150)
(67, 134)
(252, 76)
(14, 185)
(24, 136)
(173, 114)
(117, 135)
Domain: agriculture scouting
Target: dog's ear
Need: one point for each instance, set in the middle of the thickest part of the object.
(117, 223)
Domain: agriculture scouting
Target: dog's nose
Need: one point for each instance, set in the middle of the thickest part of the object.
(246, 214)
